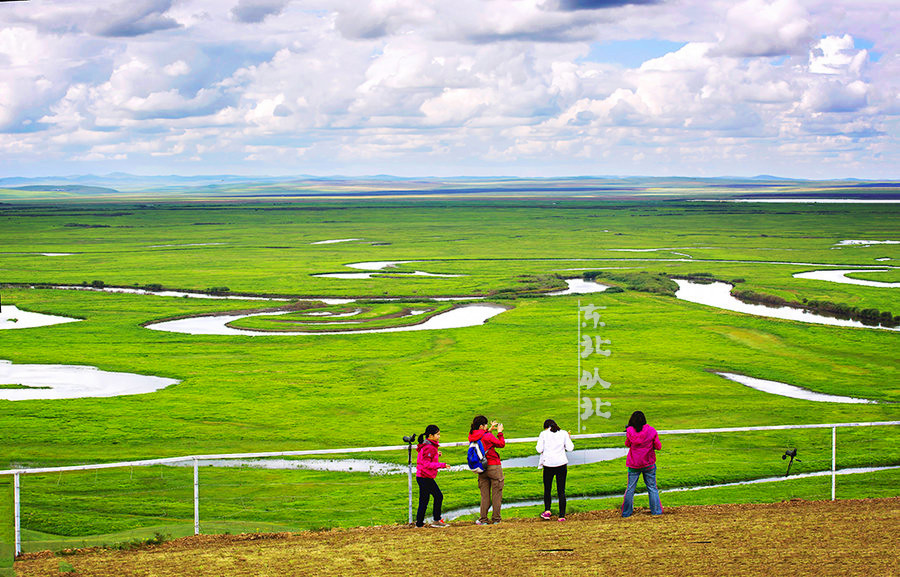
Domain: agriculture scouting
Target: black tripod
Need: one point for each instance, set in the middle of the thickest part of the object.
(792, 453)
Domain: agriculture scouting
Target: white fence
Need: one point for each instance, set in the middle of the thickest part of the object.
(16, 473)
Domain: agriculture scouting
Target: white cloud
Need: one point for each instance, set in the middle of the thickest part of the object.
(177, 68)
(762, 28)
(422, 84)
(836, 55)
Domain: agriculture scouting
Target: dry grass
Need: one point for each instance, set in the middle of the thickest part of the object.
(853, 537)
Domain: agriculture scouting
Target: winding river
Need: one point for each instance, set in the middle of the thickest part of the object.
(718, 295)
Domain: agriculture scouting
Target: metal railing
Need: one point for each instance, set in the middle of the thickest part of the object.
(16, 473)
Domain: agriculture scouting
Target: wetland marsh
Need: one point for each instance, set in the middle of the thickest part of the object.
(240, 393)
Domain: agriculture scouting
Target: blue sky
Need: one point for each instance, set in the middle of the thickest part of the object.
(798, 88)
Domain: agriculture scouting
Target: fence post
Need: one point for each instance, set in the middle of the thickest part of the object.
(18, 521)
(833, 460)
(196, 498)
(409, 490)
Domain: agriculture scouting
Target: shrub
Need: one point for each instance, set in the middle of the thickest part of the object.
(658, 283)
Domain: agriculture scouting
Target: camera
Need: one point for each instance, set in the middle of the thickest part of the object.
(410, 438)
(789, 453)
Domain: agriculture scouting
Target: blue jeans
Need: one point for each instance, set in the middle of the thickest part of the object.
(649, 474)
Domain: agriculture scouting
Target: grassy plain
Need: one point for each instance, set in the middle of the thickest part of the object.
(273, 393)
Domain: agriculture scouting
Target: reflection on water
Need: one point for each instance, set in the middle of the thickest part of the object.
(14, 318)
(335, 240)
(840, 276)
(580, 457)
(135, 291)
(379, 265)
(785, 390)
(464, 316)
(718, 294)
(456, 513)
(865, 243)
(372, 467)
(579, 286)
(72, 382)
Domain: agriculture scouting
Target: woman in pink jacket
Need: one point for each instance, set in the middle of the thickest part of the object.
(427, 466)
(642, 441)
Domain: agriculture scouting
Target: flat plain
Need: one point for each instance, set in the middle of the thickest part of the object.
(277, 393)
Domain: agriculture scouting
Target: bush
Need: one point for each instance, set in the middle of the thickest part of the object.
(98, 284)
(157, 539)
(217, 290)
(658, 283)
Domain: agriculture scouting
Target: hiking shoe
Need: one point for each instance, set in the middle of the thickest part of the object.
(561, 519)
(439, 523)
(546, 515)
(479, 522)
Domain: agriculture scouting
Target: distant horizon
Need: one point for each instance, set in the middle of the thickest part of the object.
(385, 176)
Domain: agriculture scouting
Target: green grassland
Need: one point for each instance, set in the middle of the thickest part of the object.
(375, 316)
(277, 392)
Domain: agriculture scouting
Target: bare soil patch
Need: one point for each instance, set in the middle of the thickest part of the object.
(852, 537)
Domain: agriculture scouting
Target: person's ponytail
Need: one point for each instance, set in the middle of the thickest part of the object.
(429, 430)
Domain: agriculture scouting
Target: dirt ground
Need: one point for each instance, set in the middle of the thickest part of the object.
(821, 538)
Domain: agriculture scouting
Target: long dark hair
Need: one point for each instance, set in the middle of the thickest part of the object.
(429, 430)
(637, 421)
(477, 422)
(551, 424)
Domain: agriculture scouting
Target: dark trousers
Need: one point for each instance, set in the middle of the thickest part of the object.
(427, 489)
(560, 474)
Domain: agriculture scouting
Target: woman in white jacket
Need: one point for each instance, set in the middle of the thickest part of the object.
(552, 444)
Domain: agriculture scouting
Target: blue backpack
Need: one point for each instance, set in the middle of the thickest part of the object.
(476, 458)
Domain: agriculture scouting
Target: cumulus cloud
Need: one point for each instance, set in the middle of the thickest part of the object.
(426, 83)
(253, 11)
(177, 68)
(836, 55)
(600, 4)
(133, 18)
(762, 28)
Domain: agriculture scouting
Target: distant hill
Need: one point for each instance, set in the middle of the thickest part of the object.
(130, 187)
(68, 188)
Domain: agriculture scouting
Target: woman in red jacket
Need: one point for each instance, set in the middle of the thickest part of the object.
(427, 466)
(642, 441)
(490, 482)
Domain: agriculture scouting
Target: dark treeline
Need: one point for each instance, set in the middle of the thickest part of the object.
(827, 308)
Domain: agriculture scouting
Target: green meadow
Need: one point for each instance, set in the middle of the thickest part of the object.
(282, 393)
